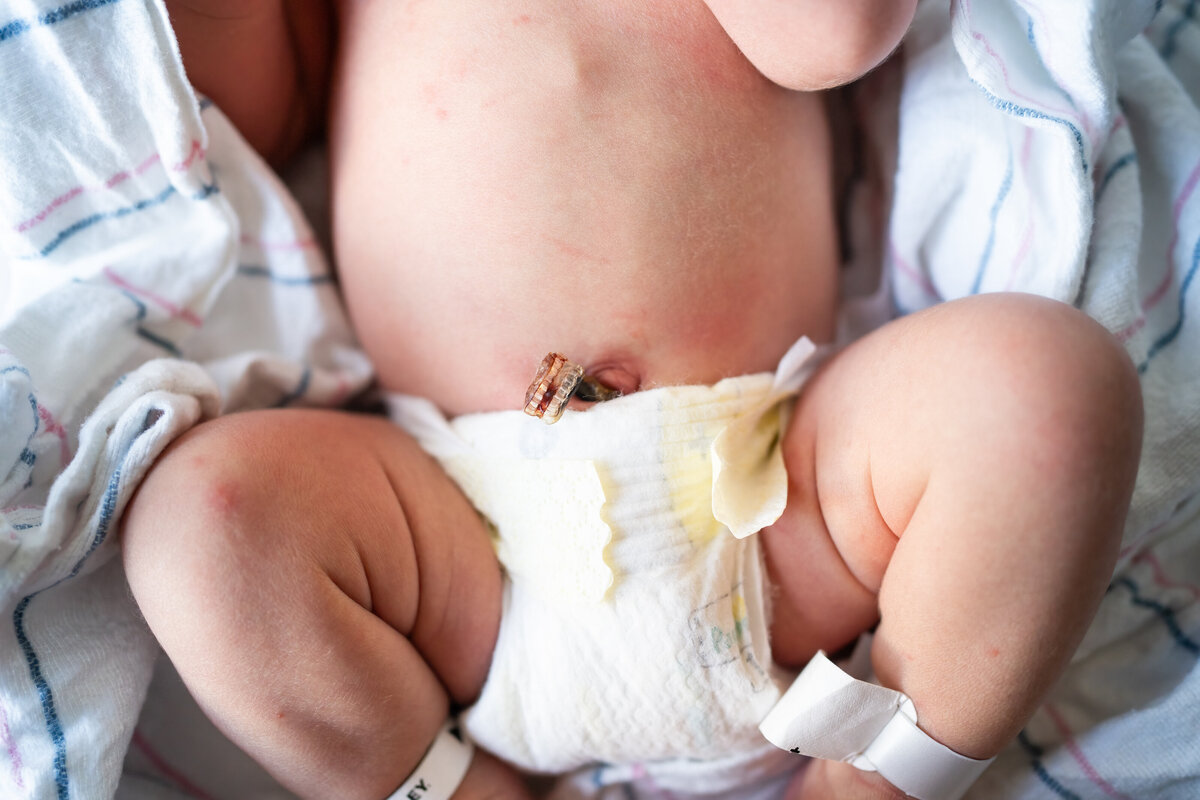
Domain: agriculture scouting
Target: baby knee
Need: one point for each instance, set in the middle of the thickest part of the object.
(1050, 380)
(200, 513)
(202, 474)
(1079, 374)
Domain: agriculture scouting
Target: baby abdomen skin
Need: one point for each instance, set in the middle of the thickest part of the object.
(612, 182)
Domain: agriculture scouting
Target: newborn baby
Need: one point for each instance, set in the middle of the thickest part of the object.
(646, 188)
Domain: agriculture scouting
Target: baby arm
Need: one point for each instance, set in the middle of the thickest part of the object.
(972, 466)
(265, 64)
(814, 44)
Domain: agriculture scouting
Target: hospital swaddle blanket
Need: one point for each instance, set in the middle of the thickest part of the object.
(1053, 147)
(153, 272)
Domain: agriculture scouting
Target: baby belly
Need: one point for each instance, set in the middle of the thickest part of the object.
(613, 182)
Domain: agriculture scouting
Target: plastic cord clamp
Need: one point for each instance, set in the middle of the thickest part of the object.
(441, 770)
(829, 714)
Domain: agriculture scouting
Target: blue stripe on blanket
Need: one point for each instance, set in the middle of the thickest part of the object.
(145, 333)
(1005, 187)
(1165, 614)
(1117, 166)
(1032, 113)
(298, 392)
(54, 728)
(141, 205)
(1113, 170)
(108, 509)
(1039, 769)
(37, 418)
(1169, 47)
(1170, 336)
(18, 26)
(253, 271)
(49, 710)
(141, 307)
(27, 456)
(159, 341)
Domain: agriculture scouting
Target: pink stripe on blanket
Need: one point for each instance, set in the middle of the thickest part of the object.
(116, 179)
(1069, 113)
(1080, 759)
(1161, 577)
(1155, 297)
(160, 763)
(263, 244)
(1031, 221)
(1046, 52)
(1140, 540)
(53, 426)
(342, 392)
(71, 194)
(197, 151)
(174, 310)
(14, 754)
(912, 273)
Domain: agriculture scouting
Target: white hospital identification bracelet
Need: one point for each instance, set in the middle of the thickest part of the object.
(828, 714)
(441, 770)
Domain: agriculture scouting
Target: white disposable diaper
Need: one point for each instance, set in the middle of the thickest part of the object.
(635, 619)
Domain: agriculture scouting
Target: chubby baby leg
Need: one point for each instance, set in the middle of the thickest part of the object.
(323, 589)
(964, 472)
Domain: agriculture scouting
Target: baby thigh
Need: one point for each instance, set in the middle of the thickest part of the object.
(323, 589)
(972, 466)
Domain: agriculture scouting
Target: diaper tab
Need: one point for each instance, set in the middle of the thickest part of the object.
(750, 482)
(829, 714)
